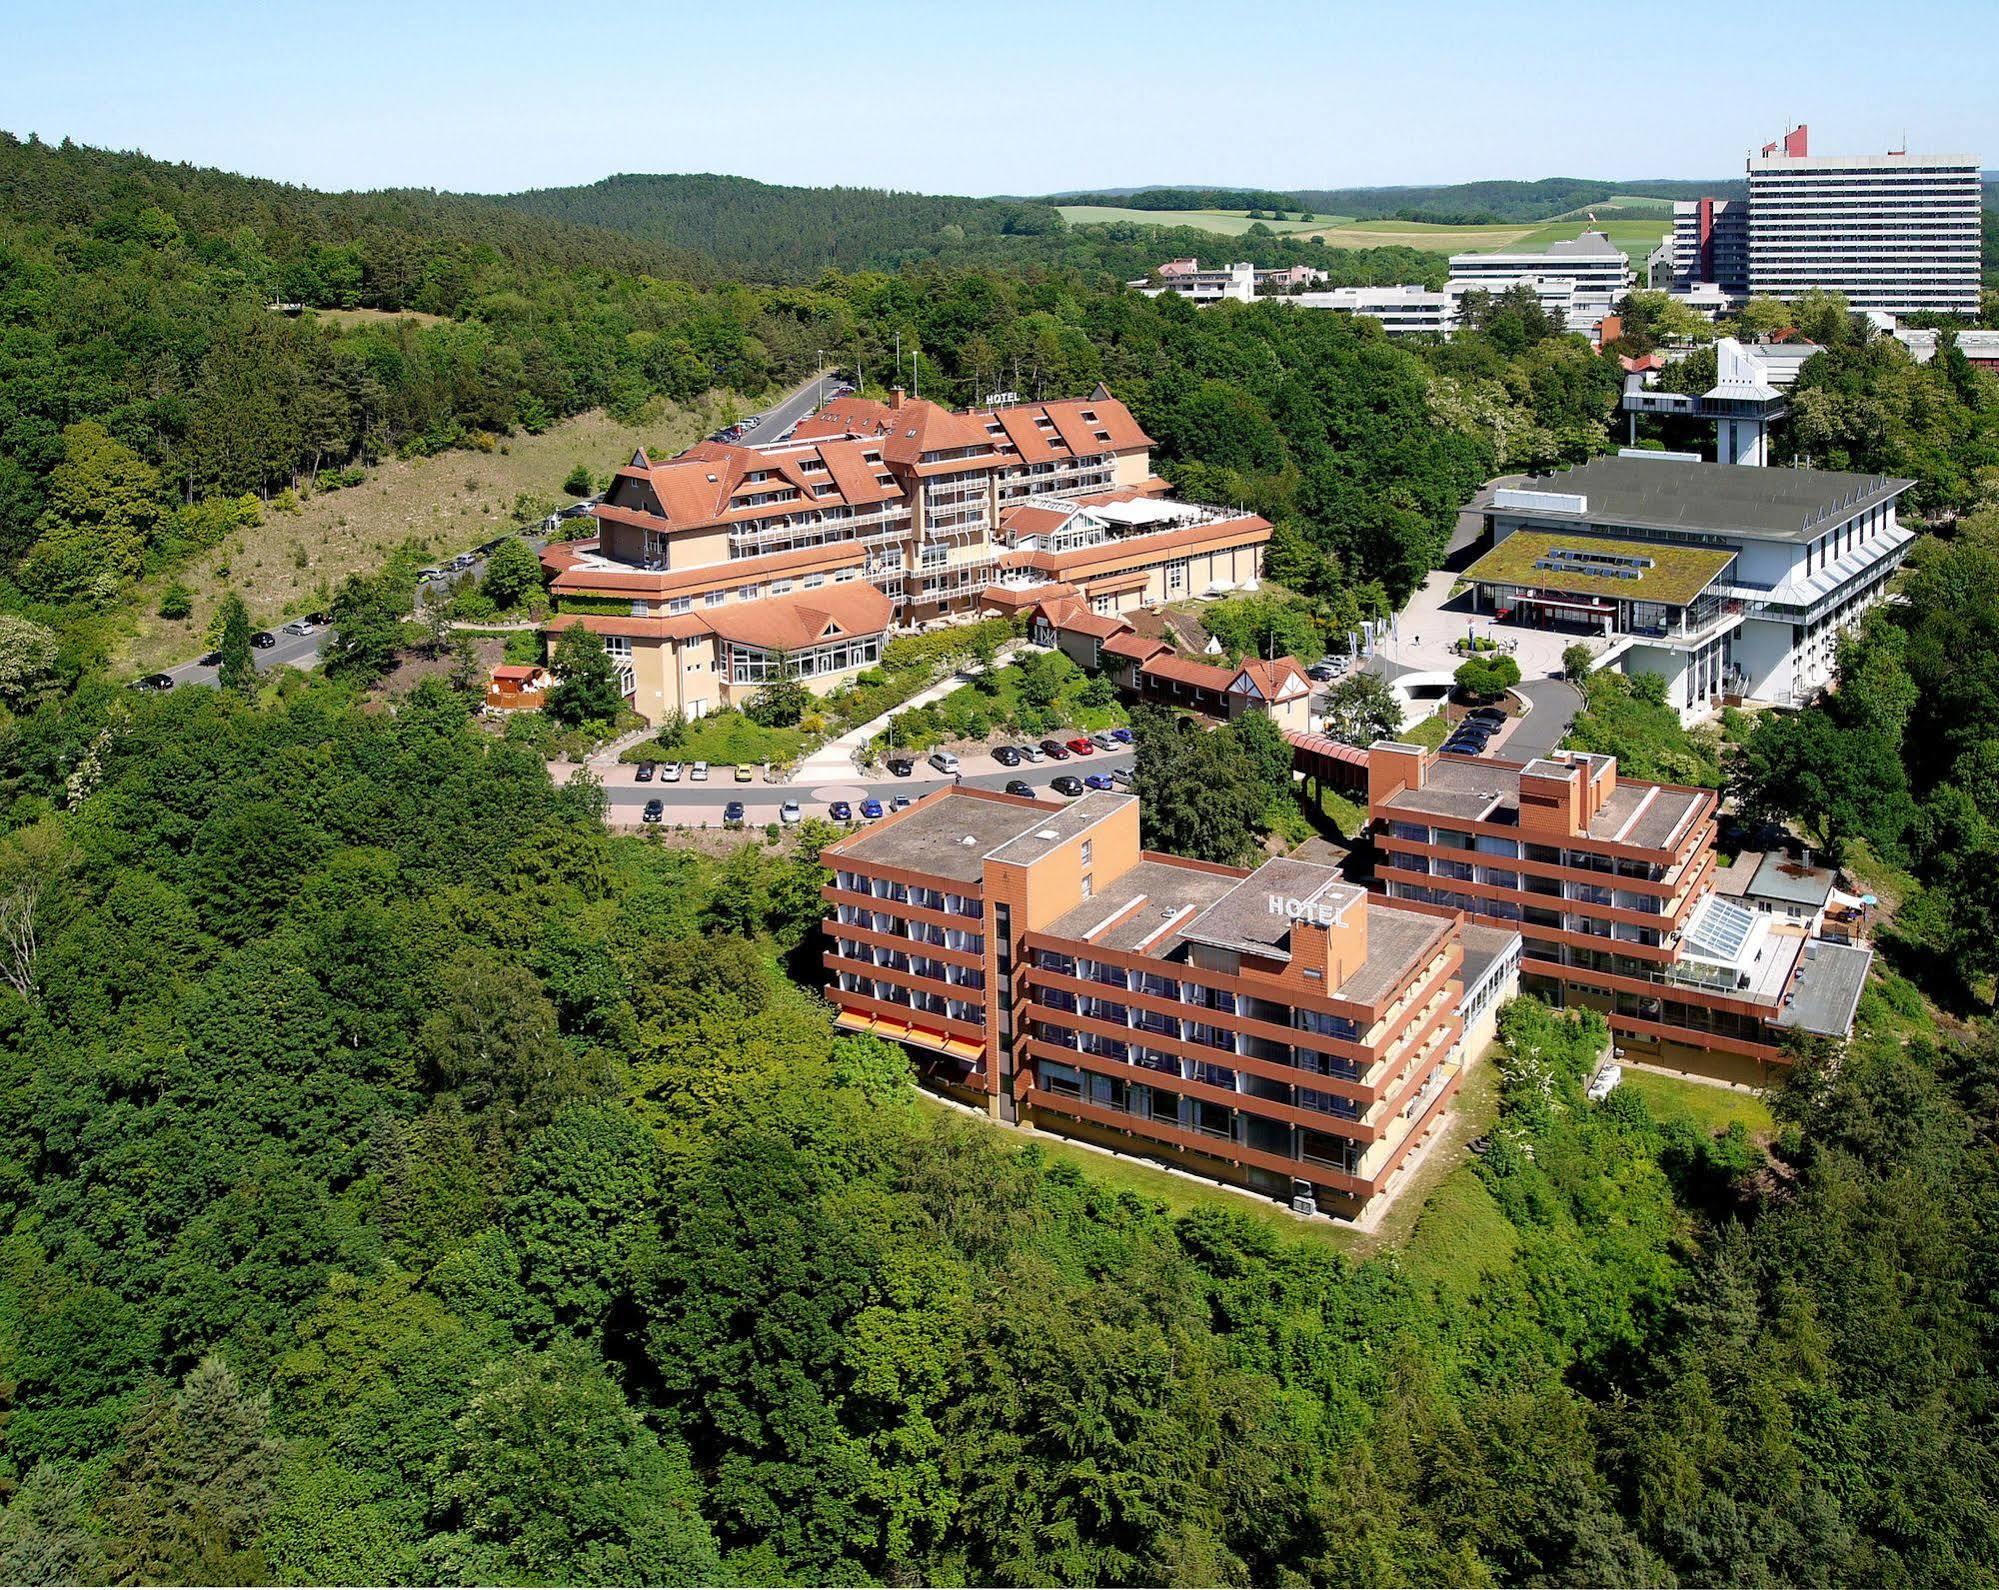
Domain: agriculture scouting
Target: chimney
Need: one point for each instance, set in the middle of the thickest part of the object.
(895, 400)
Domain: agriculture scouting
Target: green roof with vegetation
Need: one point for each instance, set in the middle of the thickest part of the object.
(1675, 575)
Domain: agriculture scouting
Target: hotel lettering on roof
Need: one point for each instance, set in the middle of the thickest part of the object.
(1278, 1029)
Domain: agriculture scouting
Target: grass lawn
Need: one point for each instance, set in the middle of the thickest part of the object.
(1432, 732)
(1637, 235)
(449, 503)
(724, 740)
(1712, 1108)
(1461, 1236)
(1347, 816)
(1224, 223)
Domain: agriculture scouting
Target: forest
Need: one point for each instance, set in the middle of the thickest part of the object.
(403, 1179)
(406, 1181)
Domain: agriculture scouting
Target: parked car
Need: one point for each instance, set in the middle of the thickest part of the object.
(1322, 673)
(211, 659)
(263, 640)
(901, 803)
(732, 814)
(300, 626)
(655, 809)
(1122, 735)
(1006, 756)
(1121, 777)
(1097, 781)
(871, 808)
(1492, 715)
(1066, 784)
(944, 761)
(670, 774)
(646, 772)
(901, 766)
(1055, 750)
(840, 812)
(744, 772)
(698, 773)
(1080, 745)
(1019, 786)
(789, 812)
(1031, 753)
(152, 682)
(1103, 741)
(316, 618)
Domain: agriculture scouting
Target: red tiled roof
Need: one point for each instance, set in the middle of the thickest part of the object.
(1272, 678)
(1135, 646)
(1207, 676)
(519, 672)
(805, 618)
(676, 626)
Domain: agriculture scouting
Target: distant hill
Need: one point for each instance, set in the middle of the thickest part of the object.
(1456, 204)
(784, 233)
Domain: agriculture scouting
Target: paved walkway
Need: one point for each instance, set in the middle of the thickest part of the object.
(837, 758)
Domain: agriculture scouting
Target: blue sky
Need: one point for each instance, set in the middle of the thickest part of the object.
(1005, 97)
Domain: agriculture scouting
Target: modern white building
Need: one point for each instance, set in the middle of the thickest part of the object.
(1582, 278)
(1897, 233)
(1724, 581)
(1710, 245)
(1401, 310)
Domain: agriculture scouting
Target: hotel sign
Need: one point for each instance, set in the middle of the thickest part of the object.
(1304, 911)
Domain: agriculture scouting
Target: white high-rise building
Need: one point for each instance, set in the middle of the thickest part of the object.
(1897, 232)
(1581, 279)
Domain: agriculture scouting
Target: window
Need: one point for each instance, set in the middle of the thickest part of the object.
(1089, 846)
(680, 604)
(716, 598)
(1089, 886)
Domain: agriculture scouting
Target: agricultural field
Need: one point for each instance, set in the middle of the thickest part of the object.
(1630, 226)
(1224, 223)
(449, 502)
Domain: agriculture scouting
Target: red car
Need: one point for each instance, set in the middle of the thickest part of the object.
(1080, 745)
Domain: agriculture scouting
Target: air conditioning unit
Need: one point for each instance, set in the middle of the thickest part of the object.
(1304, 1204)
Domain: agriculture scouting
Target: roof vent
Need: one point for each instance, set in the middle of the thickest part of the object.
(968, 840)
(1047, 833)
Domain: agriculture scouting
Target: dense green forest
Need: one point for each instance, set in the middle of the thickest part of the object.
(404, 1181)
(785, 234)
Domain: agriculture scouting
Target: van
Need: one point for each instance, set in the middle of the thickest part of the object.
(944, 761)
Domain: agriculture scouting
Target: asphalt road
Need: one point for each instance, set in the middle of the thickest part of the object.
(687, 802)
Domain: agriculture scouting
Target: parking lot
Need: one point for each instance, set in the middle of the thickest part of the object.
(691, 802)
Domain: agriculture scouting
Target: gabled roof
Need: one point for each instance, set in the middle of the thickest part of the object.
(1273, 681)
(1135, 646)
(806, 618)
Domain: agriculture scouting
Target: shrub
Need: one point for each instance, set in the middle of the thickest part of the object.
(177, 602)
(1486, 677)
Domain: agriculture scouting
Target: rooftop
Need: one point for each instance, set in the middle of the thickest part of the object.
(1592, 565)
(1472, 789)
(1034, 840)
(1242, 919)
(1830, 979)
(1780, 878)
(1130, 911)
(1675, 494)
(1396, 940)
(948, 838)
(1484, 945)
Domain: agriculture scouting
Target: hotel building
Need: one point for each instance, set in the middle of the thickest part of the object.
(1611, 886)
(1278, 1029)
(709, 568)
(1725, 581)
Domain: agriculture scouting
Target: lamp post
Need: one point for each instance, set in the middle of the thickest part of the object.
(819, 381)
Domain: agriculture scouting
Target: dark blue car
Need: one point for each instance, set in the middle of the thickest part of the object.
(871, 808)
(840, 812)
(1122, 736)
(1097, 781)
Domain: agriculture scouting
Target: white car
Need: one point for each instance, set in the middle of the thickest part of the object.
(944, 761)
(698, 772)
(1033, 753)
(789, 812)
(669, 773)
(300, 627)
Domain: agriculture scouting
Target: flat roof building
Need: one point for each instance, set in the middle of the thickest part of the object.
(1580, 278)
(1611, 885)
(1896, 232)
(1724, 581)
(1279, 1029)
